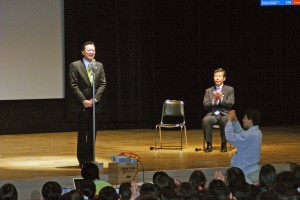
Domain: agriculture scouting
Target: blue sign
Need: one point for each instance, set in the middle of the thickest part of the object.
(276, 2)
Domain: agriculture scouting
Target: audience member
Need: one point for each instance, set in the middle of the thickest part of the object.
(248, 143)
(149, 188)
(197, 180)
(88, 189)
(167, 193)
(90, 171)
(267, 176)
(125, 191)
(296, 171)
(8, 192)
(51, 190)
(289, 179)
(283, 191)
(72, 195)
(157, 174)
(108, 193)
(185, 189)
(218, 189)
(148, 196)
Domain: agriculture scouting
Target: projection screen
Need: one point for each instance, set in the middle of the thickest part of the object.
(32, 49)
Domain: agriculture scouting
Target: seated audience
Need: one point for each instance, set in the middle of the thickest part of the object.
(266, 178)
(197, 180)
(125, 191)
(218, 189)
(185, 190)
(72, 195)
(108, 193)
(90, 171)
(88, 189)
(51, 191)
(8, 192)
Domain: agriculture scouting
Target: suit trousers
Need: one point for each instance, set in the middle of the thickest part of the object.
(209, 121)
(85, 146)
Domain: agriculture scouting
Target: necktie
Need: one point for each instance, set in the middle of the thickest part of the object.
(218, 89)
(90, 73)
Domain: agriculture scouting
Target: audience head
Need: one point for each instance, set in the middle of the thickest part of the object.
(167, 193)
(289, 179)
(90, 171)
(72, 195)
(148, 196)
(296, 171)
(108, 193)
(125, 191)
(254, 115)
(197, 179)
(148, 188)
(267, 176)
(161, 181)
(241, 191)
(218, 189)
(88, 188)
(283, 191)
(234, 175)
(51, 190)
(157, 174)
(8, 192)
(266, 196)
(185, 189)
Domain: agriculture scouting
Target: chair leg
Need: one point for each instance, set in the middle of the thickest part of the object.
(181, 133)
(160, 137)
(186, 144)
(155, 139)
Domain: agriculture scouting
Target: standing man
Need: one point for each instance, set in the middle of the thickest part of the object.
(81, 81)
(248, 143)
(218, 100)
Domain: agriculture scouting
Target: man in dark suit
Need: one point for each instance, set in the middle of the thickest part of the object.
(218, 100)
(81, 82)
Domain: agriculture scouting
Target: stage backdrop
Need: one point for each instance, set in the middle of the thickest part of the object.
(156, 50)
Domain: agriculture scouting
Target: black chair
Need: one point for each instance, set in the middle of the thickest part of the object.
(172, 110)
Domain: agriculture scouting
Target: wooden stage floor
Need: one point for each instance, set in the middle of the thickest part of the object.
(26, 156)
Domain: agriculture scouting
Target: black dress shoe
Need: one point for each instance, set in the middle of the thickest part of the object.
(208, 149)
(223, 148)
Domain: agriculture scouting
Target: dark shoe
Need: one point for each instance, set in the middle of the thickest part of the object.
(208, 149)
(223, 148)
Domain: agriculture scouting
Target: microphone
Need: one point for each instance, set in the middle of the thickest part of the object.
(94, 65)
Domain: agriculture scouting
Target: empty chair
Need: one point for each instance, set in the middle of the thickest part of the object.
(172, 117)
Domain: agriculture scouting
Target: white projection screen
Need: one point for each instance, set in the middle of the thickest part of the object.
(32, 49)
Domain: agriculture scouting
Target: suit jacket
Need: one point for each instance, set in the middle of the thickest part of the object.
(81, 87)
(224, 106)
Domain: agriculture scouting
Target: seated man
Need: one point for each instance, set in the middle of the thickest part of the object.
(218, 100)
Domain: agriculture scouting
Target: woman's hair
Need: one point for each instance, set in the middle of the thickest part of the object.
(197, 178)
(267, 177)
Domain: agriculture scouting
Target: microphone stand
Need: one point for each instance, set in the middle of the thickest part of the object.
(94, 113)
(100, 165)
